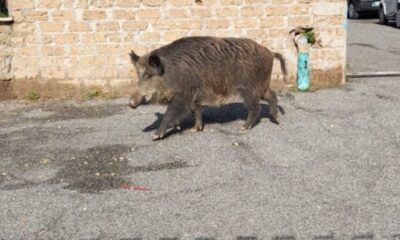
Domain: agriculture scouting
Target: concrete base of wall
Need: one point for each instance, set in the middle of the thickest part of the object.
(327, 78)
(6, 91)
(67, 89)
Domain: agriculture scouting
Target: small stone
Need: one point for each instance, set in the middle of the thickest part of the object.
(289, 96)
(112, 174)
(86, 163)
(236, 144)
(97, 174)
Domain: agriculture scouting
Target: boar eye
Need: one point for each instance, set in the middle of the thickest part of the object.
(147, 75)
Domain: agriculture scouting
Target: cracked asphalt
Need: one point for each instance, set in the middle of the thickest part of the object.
(90, 170)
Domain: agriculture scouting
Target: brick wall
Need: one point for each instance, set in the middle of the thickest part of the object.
(64, 48)
(5, 61)
(5, 52)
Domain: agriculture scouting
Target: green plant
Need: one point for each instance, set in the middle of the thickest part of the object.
(293, 89)
(33, 96)
(310, 35)
(114, 94)
(3, 14)
(93, 94)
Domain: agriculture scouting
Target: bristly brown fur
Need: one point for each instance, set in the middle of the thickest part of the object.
(197, 71)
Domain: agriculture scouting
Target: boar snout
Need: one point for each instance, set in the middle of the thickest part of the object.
(136, 100)
(133, 104)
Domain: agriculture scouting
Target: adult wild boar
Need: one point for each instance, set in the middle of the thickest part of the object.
(196, 71)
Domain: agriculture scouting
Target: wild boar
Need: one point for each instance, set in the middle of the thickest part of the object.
(193, 72)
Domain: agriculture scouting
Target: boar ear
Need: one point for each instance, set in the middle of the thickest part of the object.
(155, 62)
(134, 57)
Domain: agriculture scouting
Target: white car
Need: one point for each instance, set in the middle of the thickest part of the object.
(389, 10)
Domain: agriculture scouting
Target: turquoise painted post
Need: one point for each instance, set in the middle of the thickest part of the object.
(303, 72)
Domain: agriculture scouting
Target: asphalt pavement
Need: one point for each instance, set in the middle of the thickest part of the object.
(372, 47)
(90, 170)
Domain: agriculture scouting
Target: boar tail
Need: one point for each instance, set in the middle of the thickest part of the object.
(283, 65)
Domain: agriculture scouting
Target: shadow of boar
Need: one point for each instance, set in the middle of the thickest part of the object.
(193, 72)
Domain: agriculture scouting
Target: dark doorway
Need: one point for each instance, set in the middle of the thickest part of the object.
(3, 8)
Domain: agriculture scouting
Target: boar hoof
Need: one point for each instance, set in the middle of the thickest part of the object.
(197, 129)
(158, 137)
(274, 120)
(246, 127)
(194, 130)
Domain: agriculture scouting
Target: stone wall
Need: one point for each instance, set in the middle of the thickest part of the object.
(65, 48)
(5, 60)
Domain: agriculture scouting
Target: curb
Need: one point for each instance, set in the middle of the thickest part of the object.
(372, 74)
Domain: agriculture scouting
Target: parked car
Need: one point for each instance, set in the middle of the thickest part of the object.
(357, 7)
(389, 10)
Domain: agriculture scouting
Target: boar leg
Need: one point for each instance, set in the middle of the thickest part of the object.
(270, 97)
(177, 110)
(198, 119)
(252, 103)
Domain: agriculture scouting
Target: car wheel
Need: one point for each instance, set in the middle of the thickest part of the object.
(353, 14)
(382, 18)
(398, 18)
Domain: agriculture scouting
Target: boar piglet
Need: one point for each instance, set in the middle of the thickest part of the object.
(193, 72)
